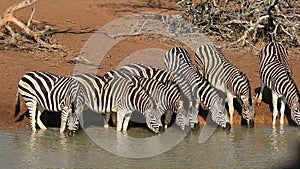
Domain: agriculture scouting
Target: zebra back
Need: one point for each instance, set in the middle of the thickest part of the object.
(148, 72)
(210, 63)
(275, 51)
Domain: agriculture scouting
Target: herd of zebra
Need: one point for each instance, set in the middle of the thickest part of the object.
(212, 80)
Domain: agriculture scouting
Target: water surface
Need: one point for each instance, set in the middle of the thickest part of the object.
(258, 147)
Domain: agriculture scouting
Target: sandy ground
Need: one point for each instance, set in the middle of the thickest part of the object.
(93, 14)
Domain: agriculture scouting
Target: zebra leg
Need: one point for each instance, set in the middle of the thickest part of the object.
(106, 119)
(168, 117)
(275, 110)
(32, 106)
(126, 121)
(114, 118)
(39, 122)
(230, 106)
(120, 118)
(282, 112)
(259, 97)
(64, 116)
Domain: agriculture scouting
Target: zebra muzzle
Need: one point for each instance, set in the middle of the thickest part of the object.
(228, 126)
(71, 133)
(195, 127)
(250, 123)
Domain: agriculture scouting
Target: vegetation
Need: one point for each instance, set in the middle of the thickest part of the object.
(246, 22)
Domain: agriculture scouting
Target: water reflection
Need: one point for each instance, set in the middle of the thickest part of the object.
(258, 147)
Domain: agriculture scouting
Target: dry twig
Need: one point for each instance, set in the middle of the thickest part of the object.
(15, 33)
(246, 22)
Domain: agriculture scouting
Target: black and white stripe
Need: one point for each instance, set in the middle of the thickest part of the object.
(148, 72)
(46, 91)
(161, 86)
(109, 93)
(195, 87)
(275, 73)
(216, 67)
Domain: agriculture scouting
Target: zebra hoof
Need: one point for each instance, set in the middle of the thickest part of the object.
(228, 126)
(71, 133)
(250, 123)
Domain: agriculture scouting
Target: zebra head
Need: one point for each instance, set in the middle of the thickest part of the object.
(182, 120)
(295, 112)
(78, 103)
(247, 109)
(73, 124)
(219, 115)
(193, 115)
(154, 123)
(187, 120)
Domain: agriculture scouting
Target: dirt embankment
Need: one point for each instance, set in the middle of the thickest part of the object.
(80, 15)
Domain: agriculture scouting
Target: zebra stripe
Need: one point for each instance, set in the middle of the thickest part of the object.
(278, 53)
(195, 87)
(217, 68)
(162, 85)
(166, 95)
(275, 73)
(46, 91)
(109, 93)
(147, 71)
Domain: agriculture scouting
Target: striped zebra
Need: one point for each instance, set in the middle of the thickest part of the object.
(280, 54)
(195, 87)
(210, 60)
(46, 91)
(275, 73)
(163, 84)
(107, 94)
(166, 96)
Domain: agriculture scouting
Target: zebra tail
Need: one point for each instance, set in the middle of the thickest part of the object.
(17, 106)
(17, 110)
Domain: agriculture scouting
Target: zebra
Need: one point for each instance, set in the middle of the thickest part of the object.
(280, 54)
(195, 87)
(166, 96)
(210, 60)
(107, 94)
(43, 90)
(275, 73)
(164, 82)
